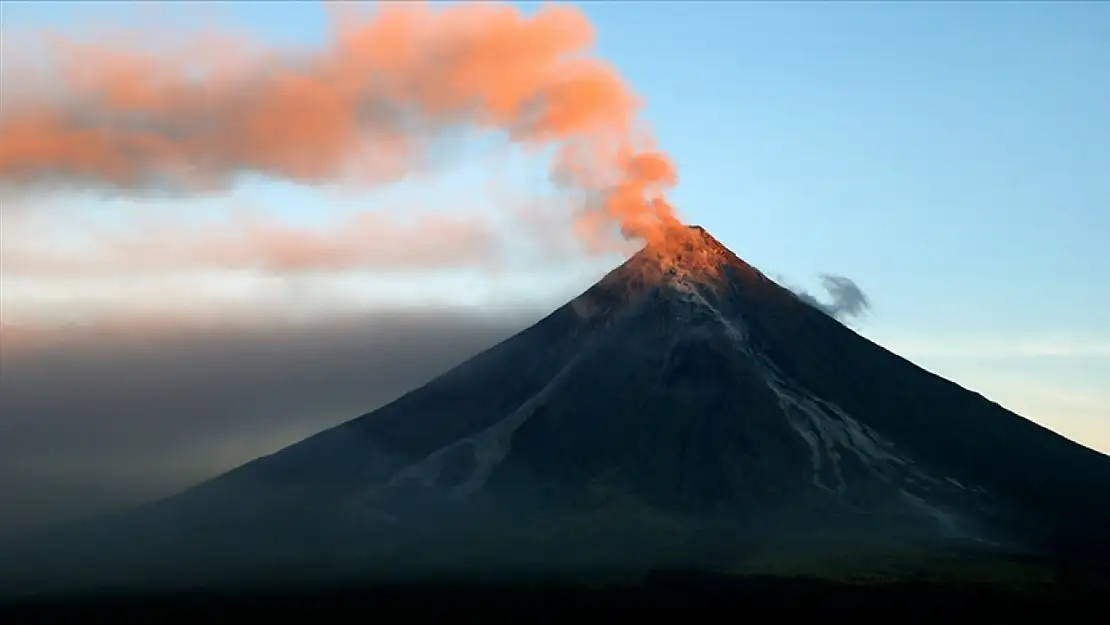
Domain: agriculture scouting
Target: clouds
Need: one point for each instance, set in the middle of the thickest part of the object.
(100, 415)
(979, 348)
(458, 225)
(276, 247)
(245, 241)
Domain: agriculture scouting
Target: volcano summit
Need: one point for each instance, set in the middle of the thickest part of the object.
(685, 410)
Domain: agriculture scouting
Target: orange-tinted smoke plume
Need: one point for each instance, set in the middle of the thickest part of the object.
(367, 106)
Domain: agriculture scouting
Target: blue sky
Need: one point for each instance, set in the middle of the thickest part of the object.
(951, 158)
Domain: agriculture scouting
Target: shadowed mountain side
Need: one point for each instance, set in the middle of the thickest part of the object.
(1062, 487)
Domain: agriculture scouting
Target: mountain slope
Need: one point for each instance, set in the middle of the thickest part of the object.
(682, 410)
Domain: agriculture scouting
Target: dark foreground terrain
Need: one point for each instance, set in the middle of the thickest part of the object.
(694, 592)
(941, 585)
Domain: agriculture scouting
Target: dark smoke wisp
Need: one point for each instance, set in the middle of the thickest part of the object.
(846, 299)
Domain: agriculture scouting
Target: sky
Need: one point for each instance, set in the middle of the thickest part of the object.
(949, 158)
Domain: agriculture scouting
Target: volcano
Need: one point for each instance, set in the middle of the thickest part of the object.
(685, 410)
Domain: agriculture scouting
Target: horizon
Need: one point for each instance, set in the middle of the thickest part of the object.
(946, 159)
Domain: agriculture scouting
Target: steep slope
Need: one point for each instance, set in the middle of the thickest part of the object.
(1061, 488)
(682, 409)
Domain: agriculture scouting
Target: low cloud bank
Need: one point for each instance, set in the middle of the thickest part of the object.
(99, 416)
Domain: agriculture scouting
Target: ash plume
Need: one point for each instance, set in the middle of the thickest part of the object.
(134, 113)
